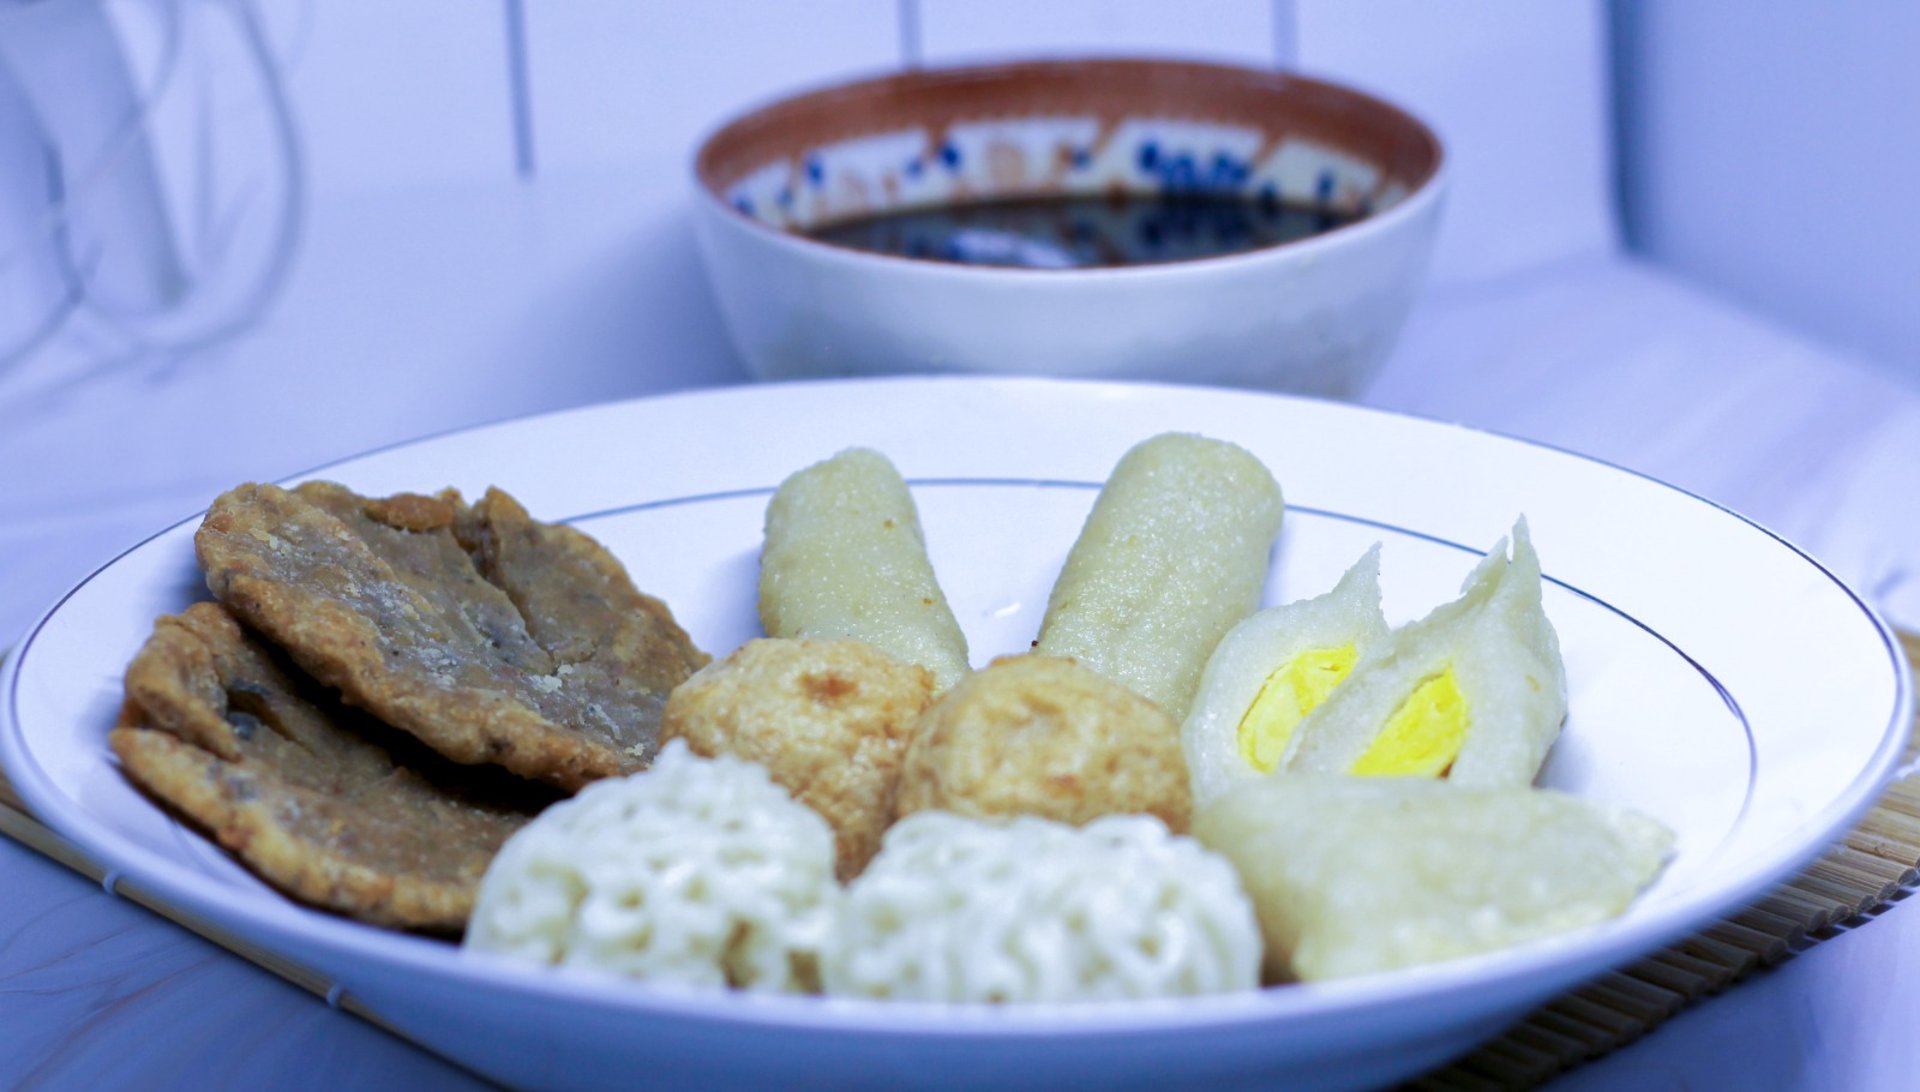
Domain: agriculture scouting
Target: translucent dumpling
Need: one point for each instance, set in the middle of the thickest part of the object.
(1357, 875)
(1273, 669)
(1475, 691)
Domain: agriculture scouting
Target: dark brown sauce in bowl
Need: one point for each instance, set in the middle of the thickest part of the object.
(1085, 232)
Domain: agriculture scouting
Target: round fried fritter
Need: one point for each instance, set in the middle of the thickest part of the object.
(1043, 735)
(829, 719)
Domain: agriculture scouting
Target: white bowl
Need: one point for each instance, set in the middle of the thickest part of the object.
(1316, 315)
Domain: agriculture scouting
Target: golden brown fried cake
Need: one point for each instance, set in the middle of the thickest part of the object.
(319, 800)
(1044, 735)
(489, 636)
(829, 719)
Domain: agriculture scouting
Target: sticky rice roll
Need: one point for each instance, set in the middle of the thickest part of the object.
(1273, 669)
(844, 558)
(1173, 555)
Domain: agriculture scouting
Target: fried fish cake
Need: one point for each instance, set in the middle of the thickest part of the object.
(319, 800)
(488, 635)
(829, 719)
(1042, 735)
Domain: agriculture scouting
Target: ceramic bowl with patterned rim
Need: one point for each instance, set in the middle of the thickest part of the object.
(1314, 314)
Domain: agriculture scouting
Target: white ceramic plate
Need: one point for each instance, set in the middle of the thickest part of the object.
(1720, 680)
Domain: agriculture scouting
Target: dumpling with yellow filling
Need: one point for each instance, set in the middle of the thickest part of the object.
(1273, 669)
(1475, 691)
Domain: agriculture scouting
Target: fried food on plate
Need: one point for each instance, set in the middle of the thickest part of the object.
(1273, 669)
(1355, 875)
(1174, 553)
(1475, 691)
(1040, 735)
(699, 872)
(317, 799)
(957, 909)
(828, 719)
(489, 636)
(844, 557)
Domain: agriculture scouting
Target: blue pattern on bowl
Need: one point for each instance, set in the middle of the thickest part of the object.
(1055, 155)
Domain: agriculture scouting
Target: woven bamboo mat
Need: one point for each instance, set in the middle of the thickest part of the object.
(1876, 862)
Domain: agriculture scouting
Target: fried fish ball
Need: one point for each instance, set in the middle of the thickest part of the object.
(1476, 691)
(1355, 875)
(829, 719)
(1174, 553)
(844, 557)
(1041, 735)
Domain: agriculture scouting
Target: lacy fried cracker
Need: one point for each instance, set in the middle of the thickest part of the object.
(486, 634)
(319, 800)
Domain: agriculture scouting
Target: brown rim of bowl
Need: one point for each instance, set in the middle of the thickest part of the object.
(1279, 104)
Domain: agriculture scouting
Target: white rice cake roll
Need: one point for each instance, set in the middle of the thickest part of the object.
(844, 558)
(1353, 876)
(1475, 691)
(1174, 553)
(1273, 669)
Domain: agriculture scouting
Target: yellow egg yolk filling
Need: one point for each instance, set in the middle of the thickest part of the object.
(1295, 689)
(1423, 736)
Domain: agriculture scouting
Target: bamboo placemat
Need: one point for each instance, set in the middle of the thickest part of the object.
(1876, 862)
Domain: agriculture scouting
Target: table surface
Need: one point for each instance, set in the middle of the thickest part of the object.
(375, 342)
